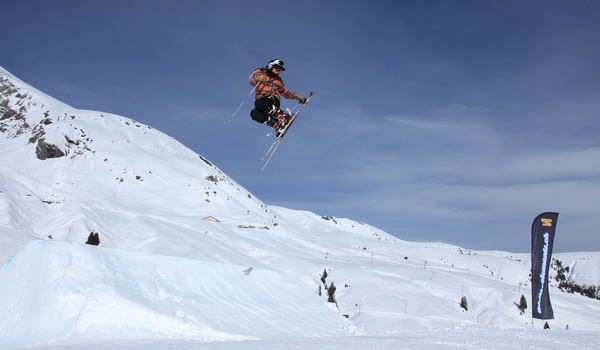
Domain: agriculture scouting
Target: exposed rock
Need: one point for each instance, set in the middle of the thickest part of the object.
(46, 150)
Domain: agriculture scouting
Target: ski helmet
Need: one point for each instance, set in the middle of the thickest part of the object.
(275, 63)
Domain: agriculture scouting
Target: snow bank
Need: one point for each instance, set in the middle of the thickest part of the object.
(54, 291)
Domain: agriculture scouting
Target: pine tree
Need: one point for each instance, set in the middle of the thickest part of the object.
(546, 325)
(324, 276)
(331, 293)
(464, 304)
(522, 304)
(93, 238)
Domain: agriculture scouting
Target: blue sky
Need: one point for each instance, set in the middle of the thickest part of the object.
(452, 121)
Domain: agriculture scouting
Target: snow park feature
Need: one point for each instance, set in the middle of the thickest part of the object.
(187, 258)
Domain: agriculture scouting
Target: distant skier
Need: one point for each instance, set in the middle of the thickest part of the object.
(269, 89)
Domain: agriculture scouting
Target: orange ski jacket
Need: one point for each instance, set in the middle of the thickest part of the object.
(273, 86)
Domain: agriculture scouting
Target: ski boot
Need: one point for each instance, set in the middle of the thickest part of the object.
(279, 120)
(283, 118)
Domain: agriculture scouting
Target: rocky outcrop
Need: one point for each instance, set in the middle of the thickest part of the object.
(46, 150)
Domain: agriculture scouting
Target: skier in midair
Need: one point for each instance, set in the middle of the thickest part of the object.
(269, 89)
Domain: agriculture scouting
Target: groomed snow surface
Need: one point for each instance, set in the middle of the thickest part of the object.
(433, 339)
(189, 259)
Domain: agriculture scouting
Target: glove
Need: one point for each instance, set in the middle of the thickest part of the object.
(301, 99)
(262, 78)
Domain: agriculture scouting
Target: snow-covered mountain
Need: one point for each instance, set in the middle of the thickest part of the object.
(187, 253)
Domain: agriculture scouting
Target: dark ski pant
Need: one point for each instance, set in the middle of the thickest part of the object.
(261, 110)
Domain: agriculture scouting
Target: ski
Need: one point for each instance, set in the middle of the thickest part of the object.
(270, 153)
(278, 139)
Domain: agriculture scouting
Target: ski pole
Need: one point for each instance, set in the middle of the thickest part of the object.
(234, 113)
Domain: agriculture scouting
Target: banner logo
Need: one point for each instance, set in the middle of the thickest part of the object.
(546, 222)
(543, 272)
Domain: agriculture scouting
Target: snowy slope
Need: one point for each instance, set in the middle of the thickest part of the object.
(99, 294)
(187, 253)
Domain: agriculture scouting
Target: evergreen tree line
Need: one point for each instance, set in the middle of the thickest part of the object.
(570, 287)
